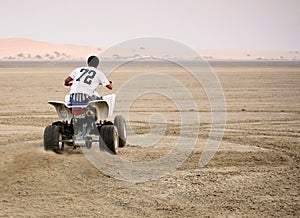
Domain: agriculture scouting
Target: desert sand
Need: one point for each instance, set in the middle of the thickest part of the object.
(255, 173)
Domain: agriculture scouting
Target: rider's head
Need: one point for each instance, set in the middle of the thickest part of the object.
(93, 61)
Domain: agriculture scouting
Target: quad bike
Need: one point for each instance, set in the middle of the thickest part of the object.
(85, 123)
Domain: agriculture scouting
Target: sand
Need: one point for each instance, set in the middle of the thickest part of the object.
(255, 173)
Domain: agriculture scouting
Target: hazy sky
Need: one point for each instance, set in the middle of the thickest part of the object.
(203, 24)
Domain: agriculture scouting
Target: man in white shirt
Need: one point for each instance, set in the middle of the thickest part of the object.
(85, 80)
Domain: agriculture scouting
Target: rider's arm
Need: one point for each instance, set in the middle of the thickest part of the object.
(68, 81)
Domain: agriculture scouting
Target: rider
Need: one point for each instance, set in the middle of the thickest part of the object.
(85, 80)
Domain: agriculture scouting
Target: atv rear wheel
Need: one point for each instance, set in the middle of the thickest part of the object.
(120, 123)
(109, 138)
(52, 139)
(48, 145)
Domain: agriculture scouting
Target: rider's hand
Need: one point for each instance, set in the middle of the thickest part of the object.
(109, 86)
(68, 81)
(68, 84)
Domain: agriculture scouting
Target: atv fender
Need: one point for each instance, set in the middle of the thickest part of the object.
(102, 109)
(110, 99)
(62, 110)
(105, 107)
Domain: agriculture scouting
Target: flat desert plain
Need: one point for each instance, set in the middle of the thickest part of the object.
(254, 173)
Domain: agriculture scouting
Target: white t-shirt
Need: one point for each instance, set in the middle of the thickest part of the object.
(87, 79)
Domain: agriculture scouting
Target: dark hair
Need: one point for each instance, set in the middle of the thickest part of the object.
(93, 61)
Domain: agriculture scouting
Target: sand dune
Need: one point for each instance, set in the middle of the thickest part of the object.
(250, 55)
(25, 49)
